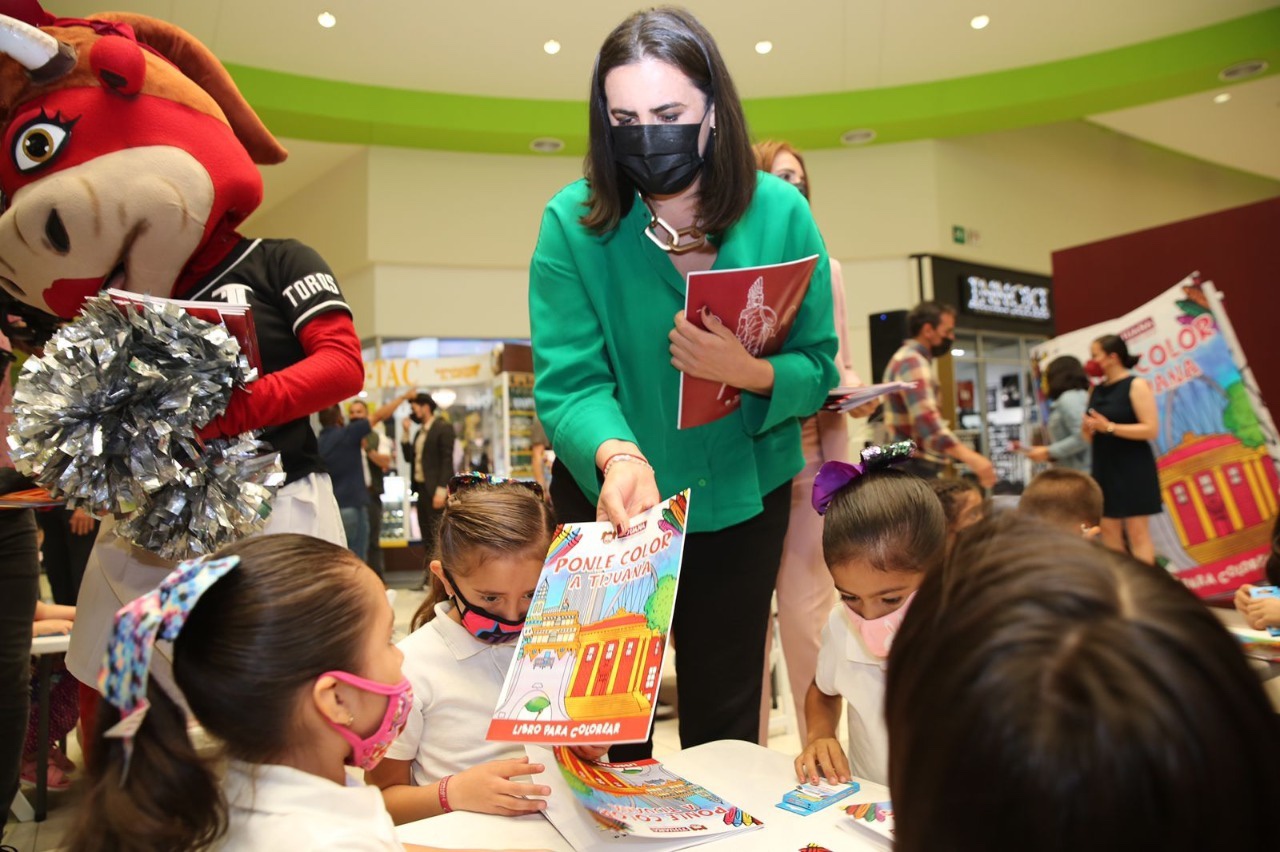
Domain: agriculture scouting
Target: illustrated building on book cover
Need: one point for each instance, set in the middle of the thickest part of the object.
(589, 658)
(645, 799)
(760, 303)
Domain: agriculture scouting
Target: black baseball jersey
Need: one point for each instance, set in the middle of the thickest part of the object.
(286, 284)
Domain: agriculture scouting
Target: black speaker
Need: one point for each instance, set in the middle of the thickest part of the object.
(888, 330)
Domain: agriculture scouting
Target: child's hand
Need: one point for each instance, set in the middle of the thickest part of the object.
(488, 788)
(51, 627)
(823, 758)
(589, 752)
(1262, 613)
(1243, 598)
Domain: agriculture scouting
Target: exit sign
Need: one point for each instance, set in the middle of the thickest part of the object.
(958, 235)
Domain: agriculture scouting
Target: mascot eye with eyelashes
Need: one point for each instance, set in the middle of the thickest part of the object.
(37, 143)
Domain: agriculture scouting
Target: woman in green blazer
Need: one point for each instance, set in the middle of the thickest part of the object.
(671, 188)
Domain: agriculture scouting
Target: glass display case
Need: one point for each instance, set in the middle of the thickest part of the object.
(995, 400)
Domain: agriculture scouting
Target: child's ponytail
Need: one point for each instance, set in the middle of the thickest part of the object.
(169, 799)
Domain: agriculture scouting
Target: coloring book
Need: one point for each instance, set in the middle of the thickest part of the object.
(638, 805)
(760, 304)
(872, 820)
(589, 658)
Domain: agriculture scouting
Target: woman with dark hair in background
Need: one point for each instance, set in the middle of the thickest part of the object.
(1088, 701)
(805, 591)
(671, 187)
(1068, 398)
(1121, 421)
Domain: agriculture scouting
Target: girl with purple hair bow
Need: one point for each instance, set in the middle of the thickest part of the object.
(883, 528)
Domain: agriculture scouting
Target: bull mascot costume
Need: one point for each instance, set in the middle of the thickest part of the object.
(128, 161)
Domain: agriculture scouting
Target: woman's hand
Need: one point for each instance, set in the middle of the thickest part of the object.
(488, 788)
(865, 410)
(717, 355)
(629, 489)
(1092, 423)
(823, 758)
(1039, 453)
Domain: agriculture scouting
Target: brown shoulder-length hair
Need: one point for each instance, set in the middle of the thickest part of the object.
(767, 150)
(728, 182)
(1095, 702)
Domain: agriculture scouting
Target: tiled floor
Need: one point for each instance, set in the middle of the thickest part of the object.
(48, 835)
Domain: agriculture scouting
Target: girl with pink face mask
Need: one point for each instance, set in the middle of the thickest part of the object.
(494, 535)
(883, 529)
(282, 651)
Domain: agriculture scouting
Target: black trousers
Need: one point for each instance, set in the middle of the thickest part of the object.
(721, 618)
(65, 554)
(428, 523)
(19, 590)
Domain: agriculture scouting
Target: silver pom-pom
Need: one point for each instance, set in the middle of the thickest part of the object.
(107, 418)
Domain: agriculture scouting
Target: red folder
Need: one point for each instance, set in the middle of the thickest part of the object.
(760, 304)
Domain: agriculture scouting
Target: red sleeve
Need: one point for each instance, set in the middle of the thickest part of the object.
(332, 371)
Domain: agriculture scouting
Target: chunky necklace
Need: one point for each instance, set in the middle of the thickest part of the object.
(668, 238)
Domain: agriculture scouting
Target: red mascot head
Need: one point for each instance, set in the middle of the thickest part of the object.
(126, 157)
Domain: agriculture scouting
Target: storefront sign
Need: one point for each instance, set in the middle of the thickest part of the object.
(990, 297)
(426, 372)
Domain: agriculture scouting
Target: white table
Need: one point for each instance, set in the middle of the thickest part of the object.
(745, 774)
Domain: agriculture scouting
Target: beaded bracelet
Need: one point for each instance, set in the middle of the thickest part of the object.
(443, 790)
(625, 457)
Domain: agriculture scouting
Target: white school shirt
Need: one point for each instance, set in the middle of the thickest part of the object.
(279, 807)
(456, 679)
(846, 668)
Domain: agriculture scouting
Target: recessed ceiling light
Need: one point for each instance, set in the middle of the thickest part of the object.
(552, 47)
(1242, 70)
(857, 137)
(980, 22)
(547, 145)
(763, 47)
(326, 19)
(959, 353)
(1222, 97)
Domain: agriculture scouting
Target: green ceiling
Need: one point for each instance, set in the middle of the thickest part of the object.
(324, 110)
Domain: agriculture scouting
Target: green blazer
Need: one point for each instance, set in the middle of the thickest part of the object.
(601, 306)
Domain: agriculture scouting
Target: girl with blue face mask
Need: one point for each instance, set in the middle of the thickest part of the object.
(494, 535)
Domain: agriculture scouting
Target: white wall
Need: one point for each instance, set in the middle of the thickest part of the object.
(430, 243)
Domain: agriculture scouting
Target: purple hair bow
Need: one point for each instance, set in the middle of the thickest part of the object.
(835, 475)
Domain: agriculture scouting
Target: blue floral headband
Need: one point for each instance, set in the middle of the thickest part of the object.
(835, 475)
(159, 614)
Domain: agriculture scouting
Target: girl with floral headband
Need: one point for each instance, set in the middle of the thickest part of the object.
(282, 650)
(883, 529)
(494, 536)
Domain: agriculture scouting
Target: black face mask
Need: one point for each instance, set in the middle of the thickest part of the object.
(661, 159)
(942, 348)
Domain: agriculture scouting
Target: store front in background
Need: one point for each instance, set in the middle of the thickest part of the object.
(986, 387)
(480, 387)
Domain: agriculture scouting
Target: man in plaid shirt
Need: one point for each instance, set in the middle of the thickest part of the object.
(914, 414)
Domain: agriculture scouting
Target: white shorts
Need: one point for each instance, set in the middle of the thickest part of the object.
(117, 572)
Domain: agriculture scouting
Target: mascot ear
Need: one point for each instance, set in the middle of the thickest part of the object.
(118, 64)
(199, 65)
